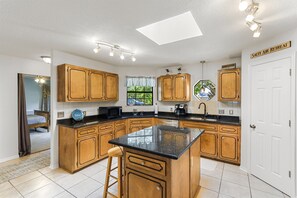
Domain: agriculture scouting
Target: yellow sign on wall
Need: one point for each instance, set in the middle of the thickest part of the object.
(271, 49)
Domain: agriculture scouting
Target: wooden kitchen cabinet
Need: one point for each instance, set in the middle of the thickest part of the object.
(72, 83)
(112, 86)
(221, 142)
(77, 147)
(145, 186)
(106, 133)
(120, 128)
(229, 85)
(174, 87)
(136, 124)
(96, 85)
(79, 84)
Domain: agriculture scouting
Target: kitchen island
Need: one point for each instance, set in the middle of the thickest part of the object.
(161, 161)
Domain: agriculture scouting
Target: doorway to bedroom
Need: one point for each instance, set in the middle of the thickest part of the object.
(37, 96)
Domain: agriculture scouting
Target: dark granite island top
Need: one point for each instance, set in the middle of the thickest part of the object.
(165, 141)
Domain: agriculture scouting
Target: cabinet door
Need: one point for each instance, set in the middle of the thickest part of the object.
(96, 86)
(229, 85)
(112, 86)
(208, 144)
(144, 186)
(229, 148)
(87, 148)
(103, 143)
(134, 128)
(77, 84)
(120, 132)
(166, 89)
(179, 87)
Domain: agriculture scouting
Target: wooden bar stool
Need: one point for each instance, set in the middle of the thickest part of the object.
(114, 152)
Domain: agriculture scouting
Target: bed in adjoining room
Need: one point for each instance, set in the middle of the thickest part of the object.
(40, 119)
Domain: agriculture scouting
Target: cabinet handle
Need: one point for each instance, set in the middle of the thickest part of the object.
(158, 187)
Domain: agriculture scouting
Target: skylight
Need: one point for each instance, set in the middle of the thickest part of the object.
(173, 29)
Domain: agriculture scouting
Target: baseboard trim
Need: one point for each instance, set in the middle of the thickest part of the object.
(9, 158)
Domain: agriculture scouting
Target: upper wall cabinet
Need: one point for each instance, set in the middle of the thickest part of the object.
(174, 87)
(229, 85)
(78, 84)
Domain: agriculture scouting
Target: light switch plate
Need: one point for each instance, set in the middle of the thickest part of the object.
(231, 112)
(221, 111)
(60, 114)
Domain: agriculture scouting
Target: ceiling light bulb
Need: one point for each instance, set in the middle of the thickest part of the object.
(252, 25)
(243, 5)
(122, 56)
(111, 53)
(133, 58)
(97, 49)
(250, 18)
(257, 33)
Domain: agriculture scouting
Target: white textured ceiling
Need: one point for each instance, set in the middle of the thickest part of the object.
(31, 28)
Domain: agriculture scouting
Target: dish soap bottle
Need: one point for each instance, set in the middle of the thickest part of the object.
(156, 108)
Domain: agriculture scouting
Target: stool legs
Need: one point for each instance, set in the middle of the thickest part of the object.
(107, 176)
(120, 169)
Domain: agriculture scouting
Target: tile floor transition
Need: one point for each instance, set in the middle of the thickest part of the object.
(218, 180)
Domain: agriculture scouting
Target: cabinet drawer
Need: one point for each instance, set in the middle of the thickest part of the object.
(119, 123)
(106, 128)
(141, 121)
(200, 125)
(228, 129)
(86, 131)
(145, 163)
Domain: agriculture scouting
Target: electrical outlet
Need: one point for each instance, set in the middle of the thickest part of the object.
(231, 112)
(171, 109)
(60, 114)
(85, 113)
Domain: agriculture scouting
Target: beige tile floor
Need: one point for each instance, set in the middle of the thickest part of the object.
(218, 180)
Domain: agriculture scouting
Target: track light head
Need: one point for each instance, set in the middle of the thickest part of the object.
(111, 53)
(253, 25)
(122, 56)
(133, 58)
(96, 49)
(257, 33)
(243, 5)
(251, 11)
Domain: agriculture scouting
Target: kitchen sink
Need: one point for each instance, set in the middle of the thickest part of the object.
(203, 119)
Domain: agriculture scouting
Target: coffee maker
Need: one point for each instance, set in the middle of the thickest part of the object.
(181, 109)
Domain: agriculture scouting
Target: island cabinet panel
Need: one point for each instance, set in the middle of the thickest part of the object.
(144, 186)
(195, 169)
(229, 85)
(79, 84)
(96, 85)
(106, 133)
(221, 142)
(136, 124)
(174, 87)
(77, 147)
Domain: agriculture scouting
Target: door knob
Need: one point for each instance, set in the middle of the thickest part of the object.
(252, 126)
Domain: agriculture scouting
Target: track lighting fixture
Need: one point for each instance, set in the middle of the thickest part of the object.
(251, 9)
(243, 5)
(111, 53)
(257, 33)
(97, 49)
(114, 49)
(122, 56)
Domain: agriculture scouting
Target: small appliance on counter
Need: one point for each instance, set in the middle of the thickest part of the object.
(181, 109)
(77, 115)
(110, 112)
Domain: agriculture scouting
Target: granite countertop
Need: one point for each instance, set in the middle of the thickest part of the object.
(91, 120)
(166, 141)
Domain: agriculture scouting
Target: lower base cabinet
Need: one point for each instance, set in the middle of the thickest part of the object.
(228, 147)
(209, 144)
(144, 186)
(87, 150)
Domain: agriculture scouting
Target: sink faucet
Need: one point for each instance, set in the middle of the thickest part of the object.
(202, 103)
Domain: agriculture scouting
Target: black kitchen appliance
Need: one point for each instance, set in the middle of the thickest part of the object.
(110, 112)
(181, 109)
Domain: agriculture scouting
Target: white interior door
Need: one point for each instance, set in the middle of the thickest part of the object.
(270, 130)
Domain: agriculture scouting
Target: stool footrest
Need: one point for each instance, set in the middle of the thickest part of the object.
(113, 177)
(113, 169)
(112, 184)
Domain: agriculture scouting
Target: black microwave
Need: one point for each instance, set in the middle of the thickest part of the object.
(110, 112)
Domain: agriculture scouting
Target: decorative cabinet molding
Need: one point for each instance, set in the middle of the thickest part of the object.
(79, 84)
(174, 87)
(229, 85)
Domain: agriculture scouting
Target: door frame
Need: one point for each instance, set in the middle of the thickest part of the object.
(293, 162)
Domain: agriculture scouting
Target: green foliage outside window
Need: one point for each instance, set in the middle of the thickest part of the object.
(139, 95)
